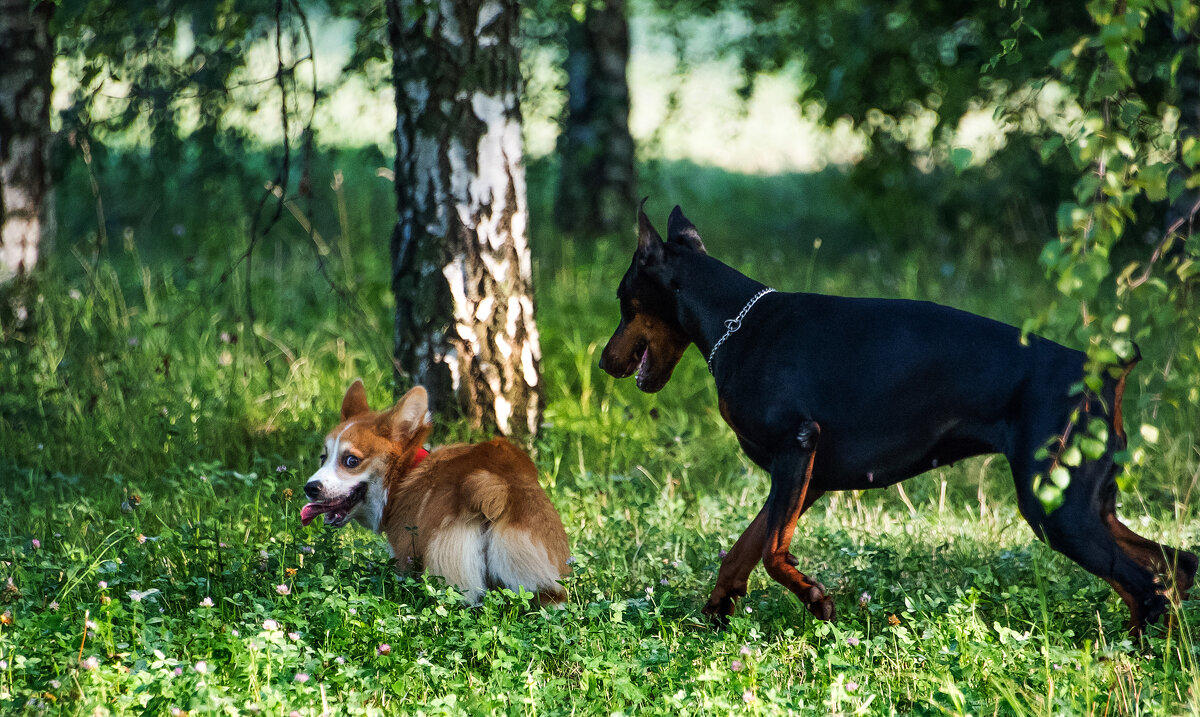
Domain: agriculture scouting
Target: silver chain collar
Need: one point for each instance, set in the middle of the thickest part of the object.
(732, 325)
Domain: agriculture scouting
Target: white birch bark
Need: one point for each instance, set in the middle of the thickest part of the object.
(26, 213)
(460, 257)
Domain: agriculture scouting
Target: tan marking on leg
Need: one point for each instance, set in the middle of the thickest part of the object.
(1160, 559)
(740, 561)
(1118, 398)
(776, 558)
(1136, 624)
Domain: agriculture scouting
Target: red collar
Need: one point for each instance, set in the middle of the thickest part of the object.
(420, 455)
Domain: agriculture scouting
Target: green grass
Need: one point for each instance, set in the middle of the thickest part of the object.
(154, 442)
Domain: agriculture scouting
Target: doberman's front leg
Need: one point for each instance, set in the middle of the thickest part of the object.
(735, 569)
(790, 478)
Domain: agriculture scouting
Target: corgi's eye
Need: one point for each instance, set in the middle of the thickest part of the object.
(351, 461)
(323, 457)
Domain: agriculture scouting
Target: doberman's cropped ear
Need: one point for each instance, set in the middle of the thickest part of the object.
(682, 231)
(650, 244)
(410, 414)
(355, 401)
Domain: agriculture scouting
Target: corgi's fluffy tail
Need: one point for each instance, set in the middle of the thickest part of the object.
(488, 494)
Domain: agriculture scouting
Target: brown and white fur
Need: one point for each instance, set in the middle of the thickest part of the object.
(473, 514)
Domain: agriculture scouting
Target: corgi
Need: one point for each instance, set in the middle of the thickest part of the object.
(473, 514)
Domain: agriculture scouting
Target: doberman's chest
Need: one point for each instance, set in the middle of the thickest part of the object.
(758, 443)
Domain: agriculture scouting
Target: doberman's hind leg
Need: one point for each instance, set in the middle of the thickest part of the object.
(737, 565)
(790, 478)
(1177, 565)
(1080, 534)
(1077, 529)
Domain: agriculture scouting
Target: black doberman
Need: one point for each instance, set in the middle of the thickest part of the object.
(830, 393)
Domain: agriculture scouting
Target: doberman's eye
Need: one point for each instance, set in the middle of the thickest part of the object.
(351, 461)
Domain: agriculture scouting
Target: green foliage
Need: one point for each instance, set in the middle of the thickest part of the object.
(171, 57)
(164, 79)
(1126, 147)
(907, 74)
(109, 344)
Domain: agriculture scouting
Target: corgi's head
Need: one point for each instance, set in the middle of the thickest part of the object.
(359, 453)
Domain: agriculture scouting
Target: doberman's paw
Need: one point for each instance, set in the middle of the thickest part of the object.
(718, 610)
(1153, 607)
(721, 603)
(822, 609)
(819, 604)
(1173, 588)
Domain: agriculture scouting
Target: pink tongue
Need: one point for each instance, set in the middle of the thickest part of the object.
(312, 510)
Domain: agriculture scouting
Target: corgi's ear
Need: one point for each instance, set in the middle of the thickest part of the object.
(410, 414)
(355, 401)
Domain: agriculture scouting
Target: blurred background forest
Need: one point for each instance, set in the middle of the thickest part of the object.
(216, 215)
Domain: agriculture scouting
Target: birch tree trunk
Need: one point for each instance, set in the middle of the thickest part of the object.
(597, 177)
(460, 259)
(26, 55)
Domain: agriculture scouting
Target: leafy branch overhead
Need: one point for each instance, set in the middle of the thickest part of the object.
(179, 67)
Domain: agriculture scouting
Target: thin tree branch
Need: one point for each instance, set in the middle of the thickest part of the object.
(1162, 245)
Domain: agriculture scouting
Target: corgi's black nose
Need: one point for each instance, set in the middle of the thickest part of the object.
(312, 489)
